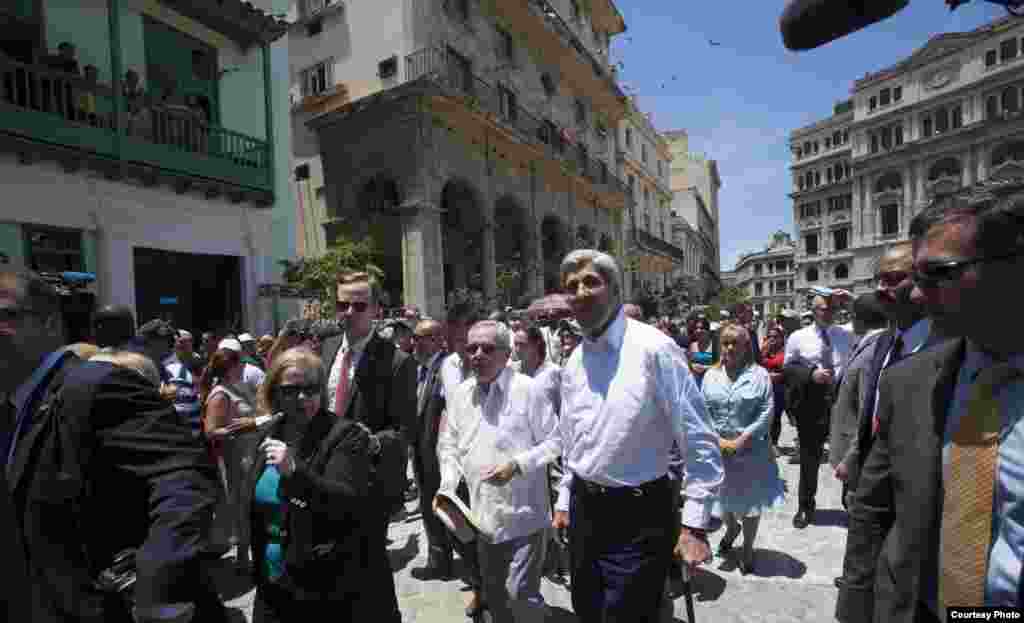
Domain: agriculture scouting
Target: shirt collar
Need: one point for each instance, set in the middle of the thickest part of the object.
(916, 335)
(613, 336)
(500, 382)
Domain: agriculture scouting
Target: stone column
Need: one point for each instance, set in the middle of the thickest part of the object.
(969, 169)
(855, 210)
(490, 276)
(422, 257)
(909, 173)
(921, 175)
(982, 163)
(868, 214)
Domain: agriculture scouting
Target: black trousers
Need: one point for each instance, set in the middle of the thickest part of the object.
(380, 581)
(620, 548)
(778, 406)
(811, 421)
(274, 605)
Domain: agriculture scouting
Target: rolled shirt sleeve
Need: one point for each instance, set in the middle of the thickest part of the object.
(678, 396)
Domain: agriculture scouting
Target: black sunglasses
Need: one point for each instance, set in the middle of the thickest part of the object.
(488, 349)
(293, 392)
(358, 306)
(935, 274)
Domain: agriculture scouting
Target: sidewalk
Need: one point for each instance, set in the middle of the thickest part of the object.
(792, 583)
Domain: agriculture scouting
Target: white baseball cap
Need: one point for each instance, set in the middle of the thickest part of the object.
(245, 337)
(230, 344)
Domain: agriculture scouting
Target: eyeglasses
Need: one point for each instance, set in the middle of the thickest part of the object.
(487, 349)
(293, 392)
(935, 274)
(358, 306)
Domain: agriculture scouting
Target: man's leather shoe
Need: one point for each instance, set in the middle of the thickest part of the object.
(802, 519)
(476, 605)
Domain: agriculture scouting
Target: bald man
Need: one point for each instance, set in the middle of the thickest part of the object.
(815, 357)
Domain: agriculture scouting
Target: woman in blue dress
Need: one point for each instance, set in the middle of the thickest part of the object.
(738, 393)
(702, 350)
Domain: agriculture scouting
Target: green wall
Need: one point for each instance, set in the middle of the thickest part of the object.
(85, 23)
(89, 251)
(12, 243)
(242, 103)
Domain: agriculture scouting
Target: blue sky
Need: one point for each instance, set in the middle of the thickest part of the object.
(740, 100)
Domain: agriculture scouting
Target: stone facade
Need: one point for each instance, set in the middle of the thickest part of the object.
(474, 155)
(768, 276)
(946, 117)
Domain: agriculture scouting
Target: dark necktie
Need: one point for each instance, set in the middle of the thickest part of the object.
(895, 354)
(827, 360)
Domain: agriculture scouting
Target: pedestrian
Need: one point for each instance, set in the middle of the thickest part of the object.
(501, 417)
(373, 383)
(306, 501)
(627, 395)
(773, 357)
(703, 350)
(815, 356)
(113, 326)
(940, 486)
(739, 398)
(183, 367)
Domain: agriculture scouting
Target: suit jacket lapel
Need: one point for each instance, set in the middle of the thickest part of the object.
(367, 359)
(947, 369)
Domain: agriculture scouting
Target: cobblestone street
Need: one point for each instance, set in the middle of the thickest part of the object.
(791, 584)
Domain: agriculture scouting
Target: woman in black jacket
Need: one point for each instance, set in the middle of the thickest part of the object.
(306, 496)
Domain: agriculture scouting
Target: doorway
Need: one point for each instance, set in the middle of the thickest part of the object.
(197, 292)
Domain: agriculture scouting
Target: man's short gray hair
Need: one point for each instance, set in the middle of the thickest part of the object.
(603, 263)
(502, 333)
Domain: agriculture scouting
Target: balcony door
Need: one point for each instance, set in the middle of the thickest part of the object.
(181, 64)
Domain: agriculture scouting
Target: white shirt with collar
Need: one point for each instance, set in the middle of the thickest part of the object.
(453, 373)
(627, 396)
(807, 346)
(549, 376)
(482, 432)
(335, 376)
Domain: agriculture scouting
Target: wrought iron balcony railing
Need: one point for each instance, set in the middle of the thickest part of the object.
(442, 67)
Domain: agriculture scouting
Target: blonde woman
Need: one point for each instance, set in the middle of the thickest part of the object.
(312, 558)
(739, 399)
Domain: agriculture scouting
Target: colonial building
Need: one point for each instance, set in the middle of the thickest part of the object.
(947, 116)
(140, 143)
(475, 143)
(645, 161)
(695, 184)
(768, 276)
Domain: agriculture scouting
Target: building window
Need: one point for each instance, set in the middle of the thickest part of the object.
(758, 289)
(458, 9)
(840, 239)
(837, 138)
(957, 117)
(897, 133)
(872, 102)
(828, 142)
(1010, 99)
(828, 175)
(817, 178)
(799, 153)
(629, 138)
(941, 120)
(890, 220)
(54, 250)
(991, 107)
(874, 143)
(317, 79)
(991, 58)
(926, 127)
(815, 145)
(897, 94)
(780, 267)
(812, 274)
(846, 136)
(757, 269)
(883, 97)
(506, 45)
(811, 244)
(1008, 50)
(842, 272)
(643, 152)
(507, 99)
(807, 148)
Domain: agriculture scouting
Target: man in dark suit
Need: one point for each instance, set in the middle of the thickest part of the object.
(428, 337)
(913, 487)
(372, 382)
(153, 472)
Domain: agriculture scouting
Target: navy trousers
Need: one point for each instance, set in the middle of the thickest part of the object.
(620, 549)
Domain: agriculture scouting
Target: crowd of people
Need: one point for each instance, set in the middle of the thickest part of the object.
(581, 442)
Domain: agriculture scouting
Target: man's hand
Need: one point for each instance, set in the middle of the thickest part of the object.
(501, 474)
(560, 520)
(822, 376)
(841, 472)
(691, 549)
(442, 503)
(278, 455)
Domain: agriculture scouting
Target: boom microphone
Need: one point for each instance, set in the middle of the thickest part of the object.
(808, 24)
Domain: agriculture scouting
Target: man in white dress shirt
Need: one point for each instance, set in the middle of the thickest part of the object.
(627, 395)
(815, 358)
(496, 416)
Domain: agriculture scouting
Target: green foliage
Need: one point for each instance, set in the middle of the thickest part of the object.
(726, 299)
(319, 275)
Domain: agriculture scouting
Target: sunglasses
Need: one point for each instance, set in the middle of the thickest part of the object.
(932, 275)
(358, 306)
(487, 349)
(294, 392)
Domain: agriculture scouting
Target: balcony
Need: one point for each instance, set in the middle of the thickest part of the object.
(77, 118)
(653, 243)
(438, 67)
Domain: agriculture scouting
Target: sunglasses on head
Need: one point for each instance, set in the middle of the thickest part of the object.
(293, 392)
(358, 306)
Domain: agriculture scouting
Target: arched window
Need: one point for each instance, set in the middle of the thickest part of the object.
(947, 167)
(889, 181)
(812, 274)
(842, 272)
(1008, 151)
(1010, 101)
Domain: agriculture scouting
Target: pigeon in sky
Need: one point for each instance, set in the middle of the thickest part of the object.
(713, 42)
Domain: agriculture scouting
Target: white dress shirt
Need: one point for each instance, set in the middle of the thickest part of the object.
(453, 374)
(806, 346)
(549, 376)
(253, 376)
(484, 432)
(626, 398)
(335, 376)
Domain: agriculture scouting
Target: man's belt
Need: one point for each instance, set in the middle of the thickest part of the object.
(647, 488)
